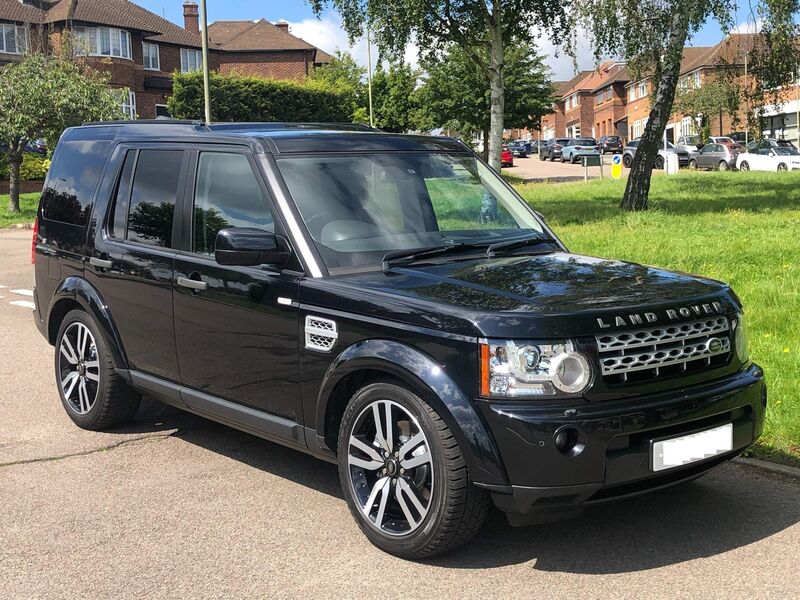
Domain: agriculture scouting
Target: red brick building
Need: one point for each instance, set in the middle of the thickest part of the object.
(140, 50)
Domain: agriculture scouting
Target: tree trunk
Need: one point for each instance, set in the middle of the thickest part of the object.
(638, 187)
(485, 152)
(497, 95)
(14, 163)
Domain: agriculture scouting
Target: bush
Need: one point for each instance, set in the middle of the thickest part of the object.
(3, 165)
(240, 98)
(34, 166)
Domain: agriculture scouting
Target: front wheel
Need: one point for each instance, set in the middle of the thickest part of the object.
(627, 160)
(723, 165)
(659, 162)
(783, 167)
(403, 474)
(693, 165)
(93, 394)
(744, 166)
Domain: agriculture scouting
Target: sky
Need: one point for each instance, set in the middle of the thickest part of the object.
(326, 32)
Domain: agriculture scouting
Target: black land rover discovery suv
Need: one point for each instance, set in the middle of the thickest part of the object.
(387, 303)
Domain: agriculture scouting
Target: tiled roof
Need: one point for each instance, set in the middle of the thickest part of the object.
(567, 86)
(593, 80)
(259, 35)
(14, 10)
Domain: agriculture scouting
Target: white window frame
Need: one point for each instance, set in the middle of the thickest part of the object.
(118, 41)
(129, 107)
(632, 93)
(147, 56)
(164, 105)
(20, 34)
(641, 89)
(187, 54)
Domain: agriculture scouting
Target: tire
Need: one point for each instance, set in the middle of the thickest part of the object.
(744, 166)
(723, 165)
(693, 165)
(659, 164)
(563, 160)
(92, 393)
(627, 160)
(783, 167)
(408, 528)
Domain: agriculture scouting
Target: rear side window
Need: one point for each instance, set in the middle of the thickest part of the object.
(153, 196)
(73, 179)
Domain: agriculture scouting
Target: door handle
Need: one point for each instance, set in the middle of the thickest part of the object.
(192, 284)
(100, 263)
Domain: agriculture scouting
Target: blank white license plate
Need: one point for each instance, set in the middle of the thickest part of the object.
(693, 447)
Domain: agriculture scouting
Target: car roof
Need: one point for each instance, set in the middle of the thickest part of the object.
(275, 138)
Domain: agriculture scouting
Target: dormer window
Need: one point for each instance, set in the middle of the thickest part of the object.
(103, 41)
(13, 38)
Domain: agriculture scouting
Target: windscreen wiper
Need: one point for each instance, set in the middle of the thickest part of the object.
(417, 253)
(518, 243)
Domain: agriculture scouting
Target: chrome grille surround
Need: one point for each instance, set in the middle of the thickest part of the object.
(654, 348)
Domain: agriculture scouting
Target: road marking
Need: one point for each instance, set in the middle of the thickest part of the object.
(23, 292)
(23, 303)
(2, 286)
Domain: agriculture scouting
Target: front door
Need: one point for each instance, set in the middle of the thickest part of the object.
(235, 327)
(133, 259)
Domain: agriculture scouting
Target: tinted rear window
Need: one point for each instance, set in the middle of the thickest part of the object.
(73, 179)
(153, 196)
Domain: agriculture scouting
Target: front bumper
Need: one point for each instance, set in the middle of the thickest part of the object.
(616, 437)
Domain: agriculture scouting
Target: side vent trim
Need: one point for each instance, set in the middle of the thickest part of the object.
(321, 334)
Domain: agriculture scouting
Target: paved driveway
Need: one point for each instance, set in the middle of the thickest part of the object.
(176, 506)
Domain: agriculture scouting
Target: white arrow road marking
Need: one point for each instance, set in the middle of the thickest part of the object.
(2, 286)
(23, 292)
(23, 303)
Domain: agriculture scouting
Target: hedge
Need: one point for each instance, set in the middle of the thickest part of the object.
(34, 166)
(251, 99)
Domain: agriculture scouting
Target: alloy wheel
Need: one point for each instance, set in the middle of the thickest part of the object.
(390, 468)
(78, 368)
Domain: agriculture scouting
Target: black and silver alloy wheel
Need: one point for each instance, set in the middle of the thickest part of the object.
(78, 368)
(390, 466)
(403, 474)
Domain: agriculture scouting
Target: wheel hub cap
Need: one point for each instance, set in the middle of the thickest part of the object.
(78, 368)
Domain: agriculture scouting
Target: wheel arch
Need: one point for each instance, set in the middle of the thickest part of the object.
(77, 293)
(376, 360)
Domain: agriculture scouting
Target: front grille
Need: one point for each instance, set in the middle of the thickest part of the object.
(667, 350)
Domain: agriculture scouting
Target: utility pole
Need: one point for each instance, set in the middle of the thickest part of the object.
(206, 80)
(369, 78)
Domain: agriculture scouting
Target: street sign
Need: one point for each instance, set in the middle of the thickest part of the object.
(616, 166)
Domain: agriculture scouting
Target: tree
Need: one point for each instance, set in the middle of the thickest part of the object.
(40, 96)
(481, 29)
(651, 35)
(455, 94)
(714, 98)
(343, 73)
(394, 97)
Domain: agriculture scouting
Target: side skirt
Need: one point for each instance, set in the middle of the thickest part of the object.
(264, 425)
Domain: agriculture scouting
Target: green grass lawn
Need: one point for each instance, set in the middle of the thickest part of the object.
(27, 210)
(743, 228)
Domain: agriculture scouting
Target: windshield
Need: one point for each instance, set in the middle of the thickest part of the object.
(359, 207)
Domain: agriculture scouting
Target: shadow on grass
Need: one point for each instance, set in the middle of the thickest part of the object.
(685, 194)
(727, 509)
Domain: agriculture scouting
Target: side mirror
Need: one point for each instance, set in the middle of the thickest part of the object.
(248, 247)
(772, 154)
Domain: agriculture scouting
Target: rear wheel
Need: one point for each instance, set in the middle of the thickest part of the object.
(783, 167)
(659, 164)
(403, 474)
(744, 166)
(723, 165)
(92, 393)
(693, 165)
(627, 160)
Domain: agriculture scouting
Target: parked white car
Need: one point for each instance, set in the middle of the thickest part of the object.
(769, 159)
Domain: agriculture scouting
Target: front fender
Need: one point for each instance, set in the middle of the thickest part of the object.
(436, 387)
(84, 293)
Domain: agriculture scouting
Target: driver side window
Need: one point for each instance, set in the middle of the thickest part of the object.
(226, 194)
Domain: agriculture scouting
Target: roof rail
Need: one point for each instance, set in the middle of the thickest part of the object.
(148, 122)
(275, 126)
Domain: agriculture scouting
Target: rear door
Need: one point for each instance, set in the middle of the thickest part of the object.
(236, 327)
(133, 259)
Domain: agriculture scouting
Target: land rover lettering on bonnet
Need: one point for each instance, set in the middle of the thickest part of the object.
(386, 303)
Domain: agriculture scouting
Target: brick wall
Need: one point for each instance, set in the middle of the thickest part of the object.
(582, 115)
(273, 65)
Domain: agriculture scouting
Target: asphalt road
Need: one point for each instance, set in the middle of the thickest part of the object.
(176, 506)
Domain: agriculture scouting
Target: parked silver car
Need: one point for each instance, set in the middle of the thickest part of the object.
(714, 156)
(630, 150)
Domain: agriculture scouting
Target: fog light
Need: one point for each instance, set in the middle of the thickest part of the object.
(562, 440)
(569, 441)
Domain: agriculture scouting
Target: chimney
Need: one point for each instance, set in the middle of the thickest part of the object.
(282, 25)
(191, 17)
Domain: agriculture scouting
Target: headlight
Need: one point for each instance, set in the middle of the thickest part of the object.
(740, 338)
(517, 369)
